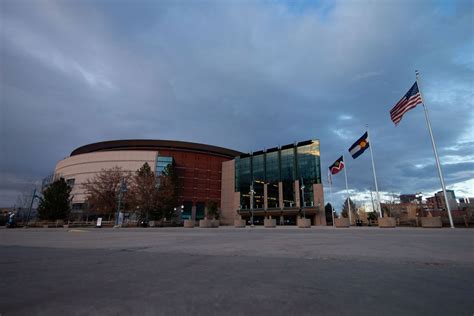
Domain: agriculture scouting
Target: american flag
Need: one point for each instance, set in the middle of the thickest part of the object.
(408, 102)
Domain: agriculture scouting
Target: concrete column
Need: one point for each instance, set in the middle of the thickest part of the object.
(230, 200)
(193, 212)
(297, 193)
(280, 195)
(265, 196)
(318, 193)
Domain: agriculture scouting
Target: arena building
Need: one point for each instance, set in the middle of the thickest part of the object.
(199, 168)
(285, 181)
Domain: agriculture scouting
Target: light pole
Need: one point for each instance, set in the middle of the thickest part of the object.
(31, 206)
(303, 201)
(122, 190)
(252, 192)
(181, 211)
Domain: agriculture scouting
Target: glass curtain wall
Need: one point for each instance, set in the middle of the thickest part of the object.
(287, 160)
(285, 164)
(273, 177)
(258, 175)
(309, 168)
(244, 175)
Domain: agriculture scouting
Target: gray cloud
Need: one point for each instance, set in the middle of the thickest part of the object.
(260, 73)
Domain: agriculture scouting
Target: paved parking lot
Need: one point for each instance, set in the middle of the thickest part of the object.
(229, 271)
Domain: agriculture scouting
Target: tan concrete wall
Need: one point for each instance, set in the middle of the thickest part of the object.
(297, 193)
(280, 195)
(85, 166)
(230, 199)
(320, 218)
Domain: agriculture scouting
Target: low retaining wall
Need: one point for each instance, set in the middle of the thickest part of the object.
(239, 223)
(188, 223)
(431, 222)
(209, 223)
(205, 223)
(387, 222)
(342, 222)
(304, 223)
(269, 222)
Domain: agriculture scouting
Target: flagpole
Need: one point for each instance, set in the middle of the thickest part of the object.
(440, 173)
(373, 170)
(330, 195)
(347, 190)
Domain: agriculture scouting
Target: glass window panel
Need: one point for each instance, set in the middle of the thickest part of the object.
(245, 173)
(287, 164)
(309, 169)
(289, 193)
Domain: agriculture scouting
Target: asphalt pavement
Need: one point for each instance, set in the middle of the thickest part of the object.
(230, 271)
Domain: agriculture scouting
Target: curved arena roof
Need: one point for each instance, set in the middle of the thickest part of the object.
(154, 144)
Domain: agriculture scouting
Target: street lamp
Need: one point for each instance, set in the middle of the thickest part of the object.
(302, 196)
(122, 190)
(252, 192)
(181, 211)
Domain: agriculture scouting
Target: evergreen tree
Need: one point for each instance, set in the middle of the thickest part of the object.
(328, 209)
(212, 209)
(168, 192)
(54, 205)
(143, 195)
(345, 209)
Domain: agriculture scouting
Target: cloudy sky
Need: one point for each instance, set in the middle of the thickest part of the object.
(242, 74)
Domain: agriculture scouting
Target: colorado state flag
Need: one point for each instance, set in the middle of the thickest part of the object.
(359, 146)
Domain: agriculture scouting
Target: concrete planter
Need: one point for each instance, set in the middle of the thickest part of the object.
(45, 226)
(431, 222)
(342, 222)
(304, 223)
(65, 226)
(270, 223)
(188, 223)
(239, 223)
(215, 223)
(387, 222)
(205, 223)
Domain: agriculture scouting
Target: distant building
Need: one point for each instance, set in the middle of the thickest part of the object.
(437, 201)
(466, 203)
(404, 212)
(410, 198)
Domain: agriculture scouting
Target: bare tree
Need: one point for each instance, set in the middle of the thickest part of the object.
(102, 190)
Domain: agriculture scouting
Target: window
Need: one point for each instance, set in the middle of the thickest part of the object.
(272, 160)
(308, 169)
(187, 210)
(200, 210)
(244, 180)
(161, 163)
(70, 182)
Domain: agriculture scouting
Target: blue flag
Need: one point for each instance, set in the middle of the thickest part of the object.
(359, 146)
